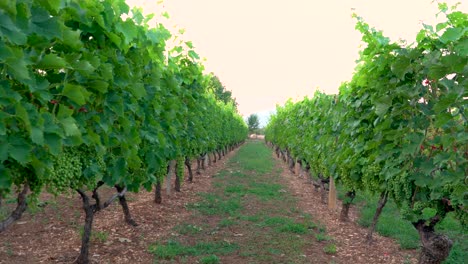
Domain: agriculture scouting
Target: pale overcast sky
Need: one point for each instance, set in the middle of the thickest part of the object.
(266, 51)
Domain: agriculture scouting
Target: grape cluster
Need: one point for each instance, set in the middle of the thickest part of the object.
(66, 171)
(180, 168)
(370, 175)
(75, 167)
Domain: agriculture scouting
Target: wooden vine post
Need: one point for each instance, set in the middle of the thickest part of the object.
(332, 195)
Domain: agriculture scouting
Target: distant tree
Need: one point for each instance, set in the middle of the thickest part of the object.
(253, 123)
(220, 91)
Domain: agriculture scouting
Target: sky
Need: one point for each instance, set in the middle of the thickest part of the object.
(266, 51)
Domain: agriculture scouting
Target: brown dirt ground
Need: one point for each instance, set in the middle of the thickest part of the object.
(51, 235)
(248, 235)
(349, 236)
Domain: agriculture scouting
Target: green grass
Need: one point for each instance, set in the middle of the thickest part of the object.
(322, 237)
(212, 259)
(188, 229)
(227, 222)
(173, 249)
(251, 211)
(391, 224)
(330, 249)
(284, 224)
(213, 204)
(96, 236)
(453, 229)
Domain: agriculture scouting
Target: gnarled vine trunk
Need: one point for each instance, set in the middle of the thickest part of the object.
(349, 197)
(198, 166)
(208, 156)
(189, 168)
(19, 210)
(177, 178)
(90, 210)
(277, 151)
(298, 168)
(157, 192)
(324, 185)
(123, 203)
(435, 248)
(170, 169)
(382, 201)
(291, 162)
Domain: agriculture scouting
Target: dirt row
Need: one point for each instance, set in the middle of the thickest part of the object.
(349, 236)
(51, 234)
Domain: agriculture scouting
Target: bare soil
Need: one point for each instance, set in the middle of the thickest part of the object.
(52, 233)
(351, 237)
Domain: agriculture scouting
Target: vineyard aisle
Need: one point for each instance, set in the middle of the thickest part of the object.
(256, 212)
(247, 208)
(249, 216)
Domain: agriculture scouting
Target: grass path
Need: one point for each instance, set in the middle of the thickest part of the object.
(247, 217)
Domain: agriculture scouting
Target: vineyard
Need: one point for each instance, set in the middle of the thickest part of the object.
(99, 105)
(91, 96)
(398, 129)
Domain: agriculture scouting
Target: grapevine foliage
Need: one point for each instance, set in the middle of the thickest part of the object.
(89, 93)
(400, 125)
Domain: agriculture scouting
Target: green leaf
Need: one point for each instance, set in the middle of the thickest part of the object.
(428, 27)
(52, 61)
(9, 6)
(5, 180)
(64, 112)
(5, 52)
(428, 213)
(41, 84)
(54, 5)
(17, 65)
(107, 71)
(382, 105)
(437, 71)
(3, 150)
(461, 47)
(115, 39)
(37, 136)
(192, 54)
(72, 38)
(3, 129)
(414, 141)
(20, 150)
(70, 127)
(99, 86)
(84, 67)
(128, 29)
(441, 26)
(421, 36)
(451, 34)
(76, 93)
(138, 90)
(23, 115)
(401, 66)
(9, 30)
(53, 142)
